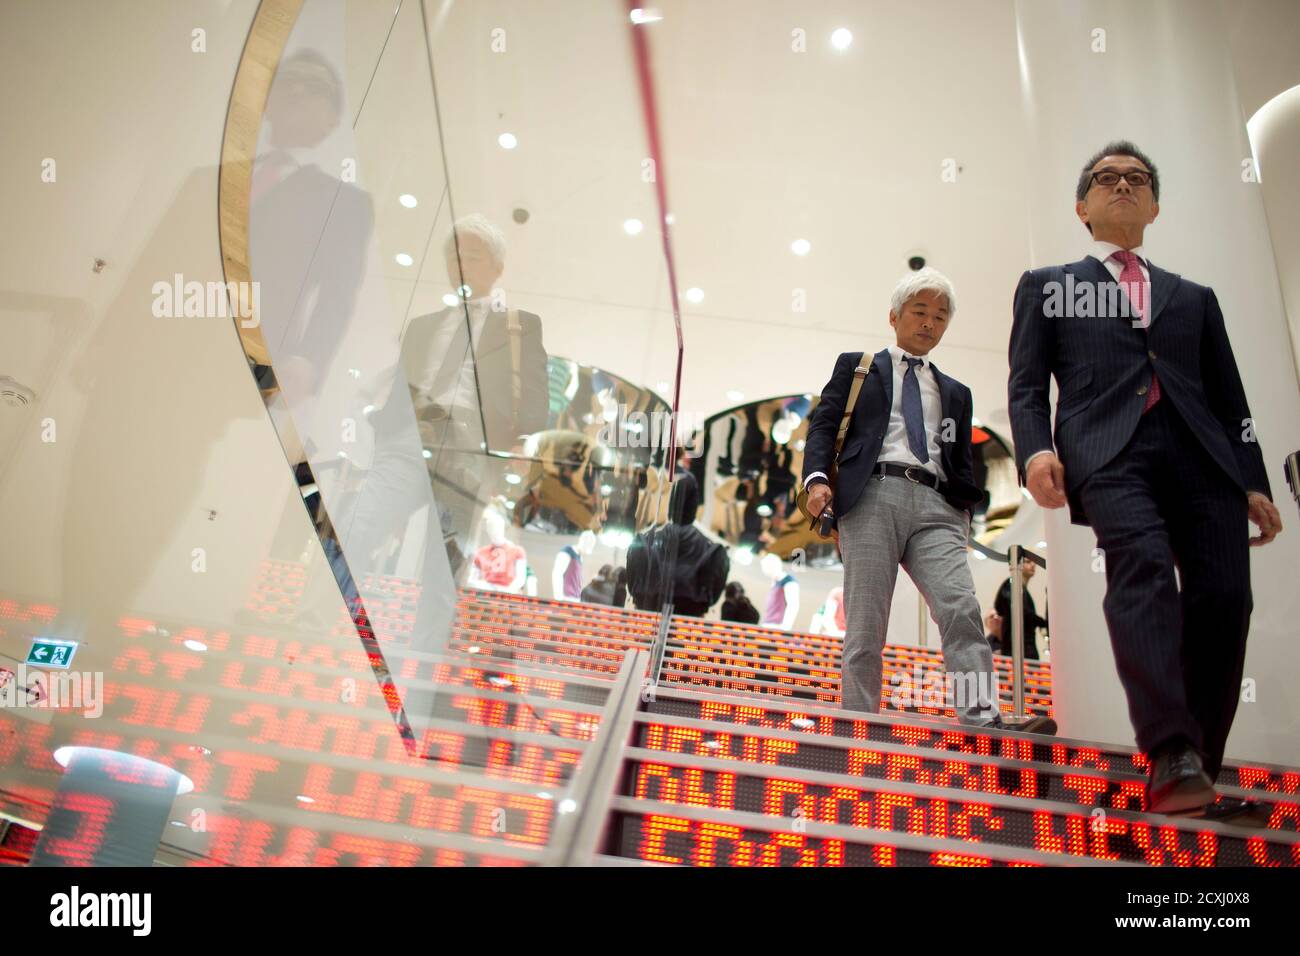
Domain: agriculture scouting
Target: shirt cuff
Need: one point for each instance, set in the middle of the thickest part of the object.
(807, 482)
(1045, 451)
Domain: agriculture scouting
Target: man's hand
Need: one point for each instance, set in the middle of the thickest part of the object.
(1045, 478)
(819, 496)
(1263, 513)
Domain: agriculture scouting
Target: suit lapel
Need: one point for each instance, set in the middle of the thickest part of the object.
(1163, 285)
(885, 370)
(946, 393)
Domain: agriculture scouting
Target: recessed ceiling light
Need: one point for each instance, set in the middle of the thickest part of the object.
(507, 140)
(645, 16)
(450, 299)
(303, 798)
(632, 226)
(407, 200)
(695, 295)
(801, 247)
(841, 39)
(670, 218)
(567, 806)
(196, 645)
(403, 259)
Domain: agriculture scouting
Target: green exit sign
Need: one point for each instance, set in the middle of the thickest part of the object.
(50, 653)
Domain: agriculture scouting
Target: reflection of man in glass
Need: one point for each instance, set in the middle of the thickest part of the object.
(477, 369)
(478, 376)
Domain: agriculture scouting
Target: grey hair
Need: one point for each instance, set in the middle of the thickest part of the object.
(923, 280)
(483, 229)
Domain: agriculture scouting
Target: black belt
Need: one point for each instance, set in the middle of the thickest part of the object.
(914, 473)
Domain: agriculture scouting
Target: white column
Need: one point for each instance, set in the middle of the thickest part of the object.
(1158, 73)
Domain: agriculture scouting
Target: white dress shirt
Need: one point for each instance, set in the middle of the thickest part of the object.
(895, 447)
(1102, 251)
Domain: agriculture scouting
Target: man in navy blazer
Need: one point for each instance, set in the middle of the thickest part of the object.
(903, 495)
(1154, 447)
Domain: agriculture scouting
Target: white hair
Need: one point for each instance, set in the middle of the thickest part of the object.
(923, 280)
(483, 229)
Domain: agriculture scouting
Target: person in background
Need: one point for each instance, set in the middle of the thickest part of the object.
(676, 561)
(736, 606)
(1002, 607)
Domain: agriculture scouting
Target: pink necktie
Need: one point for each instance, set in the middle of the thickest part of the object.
(1135, 285)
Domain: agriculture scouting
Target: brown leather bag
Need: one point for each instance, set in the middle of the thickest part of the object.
(823, 528)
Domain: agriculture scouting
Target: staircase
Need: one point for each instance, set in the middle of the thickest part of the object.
(541, 740)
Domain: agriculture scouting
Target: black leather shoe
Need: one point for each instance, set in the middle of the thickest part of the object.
(1239, 813)
(1034, 725)
(1178, 782)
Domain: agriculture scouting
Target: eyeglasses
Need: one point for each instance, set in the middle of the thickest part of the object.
(1134, 177)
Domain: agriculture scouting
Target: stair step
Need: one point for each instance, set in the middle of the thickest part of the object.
(1134, 837)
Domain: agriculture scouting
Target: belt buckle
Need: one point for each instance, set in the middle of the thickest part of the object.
(907, 473)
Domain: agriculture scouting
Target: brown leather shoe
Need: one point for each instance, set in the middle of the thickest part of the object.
(1178, 782)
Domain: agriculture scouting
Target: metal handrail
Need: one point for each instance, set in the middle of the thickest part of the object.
(576, 833)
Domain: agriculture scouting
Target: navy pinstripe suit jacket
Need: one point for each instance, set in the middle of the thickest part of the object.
(1103, 366)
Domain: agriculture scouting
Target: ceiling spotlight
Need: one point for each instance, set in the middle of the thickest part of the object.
(639, 16)
(632, 226)
(801, 247)
(407, 200)
(695, 295)
(507, 140)
(841, 39)
(403, 259)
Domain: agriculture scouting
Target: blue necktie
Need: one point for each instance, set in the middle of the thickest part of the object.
(913, 417)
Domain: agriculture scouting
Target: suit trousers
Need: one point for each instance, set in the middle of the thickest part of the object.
(1162, 503)
(897, 521)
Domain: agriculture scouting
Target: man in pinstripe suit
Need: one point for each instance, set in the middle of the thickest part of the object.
(903, 496)
(1154, 447)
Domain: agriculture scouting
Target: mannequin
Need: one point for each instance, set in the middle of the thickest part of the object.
(498, 565)
(830, 619)
(566, 576)
(783, 598)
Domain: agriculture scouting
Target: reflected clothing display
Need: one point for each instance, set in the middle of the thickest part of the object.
(496, 563)
(573, 573)
(698, 573)
(774, 613)
(1002, 604)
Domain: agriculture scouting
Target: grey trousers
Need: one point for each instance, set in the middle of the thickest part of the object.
(897, 521)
